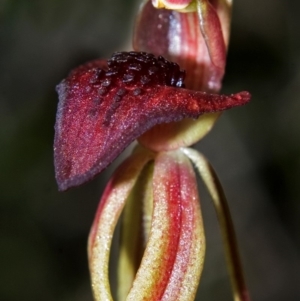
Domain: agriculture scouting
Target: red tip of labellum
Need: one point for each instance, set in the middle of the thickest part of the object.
(104, 106)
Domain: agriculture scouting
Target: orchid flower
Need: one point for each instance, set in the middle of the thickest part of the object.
(104, 105)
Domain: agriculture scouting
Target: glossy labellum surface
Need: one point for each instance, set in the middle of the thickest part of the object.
(105, 105)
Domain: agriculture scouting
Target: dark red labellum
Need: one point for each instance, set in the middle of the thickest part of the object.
(104, 106)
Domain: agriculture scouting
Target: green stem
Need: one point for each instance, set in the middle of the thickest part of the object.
(215, 189)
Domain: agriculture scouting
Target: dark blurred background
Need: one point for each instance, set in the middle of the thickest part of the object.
(255, 149)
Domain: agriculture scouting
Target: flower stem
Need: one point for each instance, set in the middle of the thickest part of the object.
(215, 189)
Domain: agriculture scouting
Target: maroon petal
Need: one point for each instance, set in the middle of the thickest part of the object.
(104, 107)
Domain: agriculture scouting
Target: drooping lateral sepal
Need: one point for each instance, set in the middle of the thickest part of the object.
(214, 187)
(107, 215)
(173, 259)
(104, 107)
